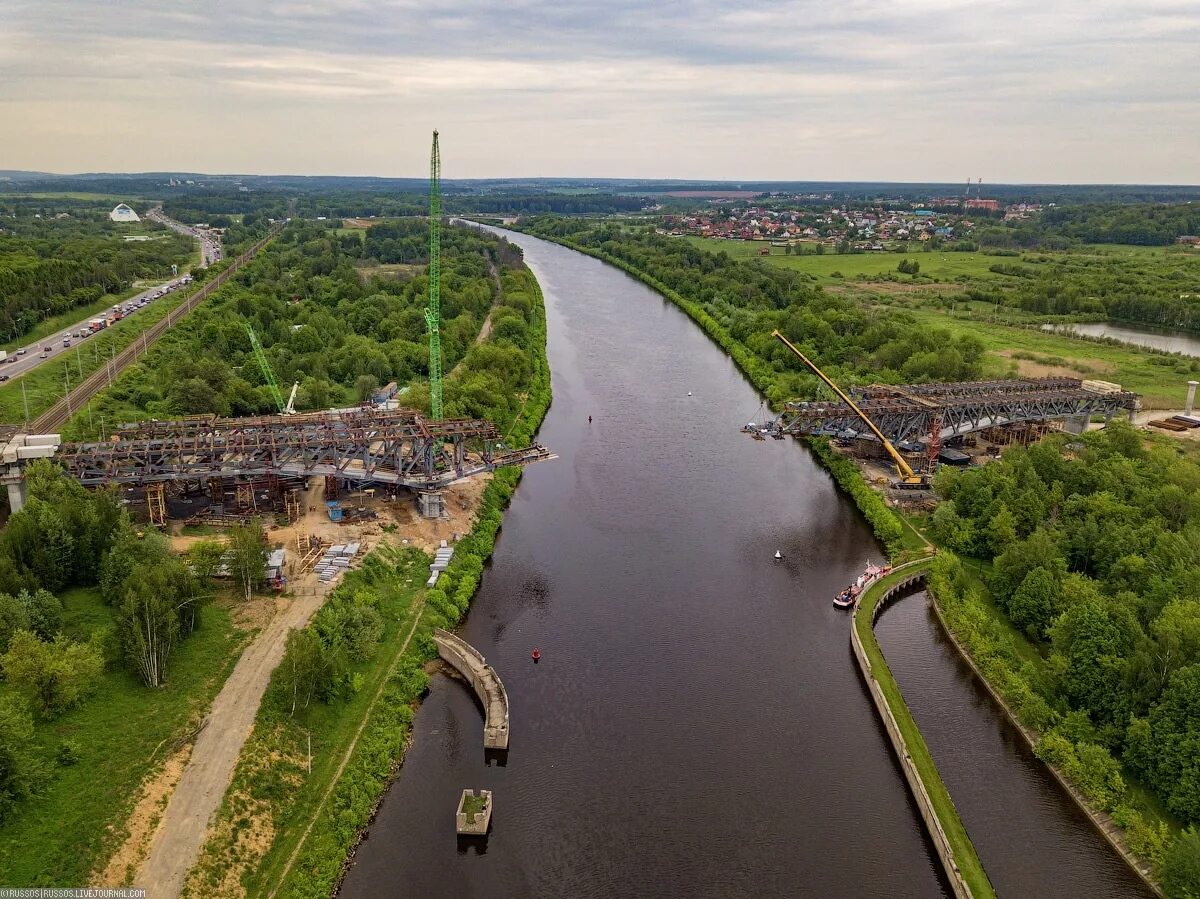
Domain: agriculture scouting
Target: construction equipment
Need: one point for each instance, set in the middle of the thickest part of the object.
(268, 375)
(290, 408)
(908, 479)
(433, 312)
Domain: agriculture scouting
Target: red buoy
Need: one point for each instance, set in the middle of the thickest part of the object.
(536, 654)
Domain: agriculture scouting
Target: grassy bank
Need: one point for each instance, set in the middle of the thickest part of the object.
(943, 806)
(122, 734)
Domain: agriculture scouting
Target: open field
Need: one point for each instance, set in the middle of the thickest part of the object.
(1162, 380)
(122, 733)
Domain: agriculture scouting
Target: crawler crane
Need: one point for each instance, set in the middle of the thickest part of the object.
(907, 478)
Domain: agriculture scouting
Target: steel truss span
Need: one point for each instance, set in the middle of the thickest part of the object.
(914, 413)
(399, 448)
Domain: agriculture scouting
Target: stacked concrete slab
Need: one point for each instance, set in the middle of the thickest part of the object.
(336, 561)
(441, 561)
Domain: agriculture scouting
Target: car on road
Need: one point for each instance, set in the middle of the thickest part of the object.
(3, 378)
(21, 352)
(46, 350)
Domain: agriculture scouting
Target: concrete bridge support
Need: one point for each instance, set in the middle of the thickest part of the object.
(432, 504)
(17, 494)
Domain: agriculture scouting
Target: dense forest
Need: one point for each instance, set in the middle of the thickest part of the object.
(1094, 545)
(1162, 290)
(51, 264)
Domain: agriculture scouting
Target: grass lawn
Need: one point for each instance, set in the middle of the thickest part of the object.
(941, 265)
(63, 833)
(956, 833)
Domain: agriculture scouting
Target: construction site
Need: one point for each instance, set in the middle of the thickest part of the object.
(918, 427)
(335, 478)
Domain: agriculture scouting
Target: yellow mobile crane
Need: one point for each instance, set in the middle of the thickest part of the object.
(908, 479)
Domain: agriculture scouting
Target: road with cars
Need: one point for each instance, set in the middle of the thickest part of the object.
(26, 358)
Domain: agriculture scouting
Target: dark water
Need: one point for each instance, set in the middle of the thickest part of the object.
(1171, 341)
(696, 726)
(1032, 840)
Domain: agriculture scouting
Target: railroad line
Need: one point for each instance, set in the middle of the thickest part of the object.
(54, 418)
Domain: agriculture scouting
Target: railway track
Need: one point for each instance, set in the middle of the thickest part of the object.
(60, 413)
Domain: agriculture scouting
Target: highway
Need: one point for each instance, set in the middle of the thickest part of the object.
(28, 357)
(210, 245)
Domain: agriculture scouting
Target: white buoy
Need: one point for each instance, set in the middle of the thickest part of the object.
(689, 393)
(778, 555)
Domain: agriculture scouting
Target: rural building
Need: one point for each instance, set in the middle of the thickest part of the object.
(122, 213)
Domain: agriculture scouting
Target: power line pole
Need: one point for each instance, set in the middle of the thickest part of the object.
(25, 400)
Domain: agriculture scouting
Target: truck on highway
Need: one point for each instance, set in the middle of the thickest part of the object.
(3, 356)
(97, 324)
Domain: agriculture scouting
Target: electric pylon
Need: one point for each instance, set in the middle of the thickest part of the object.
(433, 312)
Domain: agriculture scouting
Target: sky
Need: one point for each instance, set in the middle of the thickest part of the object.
(1057, 91)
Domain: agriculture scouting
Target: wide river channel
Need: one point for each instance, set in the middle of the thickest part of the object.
(696, 726)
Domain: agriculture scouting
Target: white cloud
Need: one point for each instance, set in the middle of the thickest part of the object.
(866, 89)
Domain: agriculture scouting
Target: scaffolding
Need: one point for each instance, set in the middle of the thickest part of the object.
(156, 504)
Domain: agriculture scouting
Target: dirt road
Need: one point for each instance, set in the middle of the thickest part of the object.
(207, 776)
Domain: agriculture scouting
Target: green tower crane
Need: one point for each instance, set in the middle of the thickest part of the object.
(433, 312)
(261, 358)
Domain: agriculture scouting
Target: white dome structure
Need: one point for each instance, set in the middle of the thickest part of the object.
(123, 213)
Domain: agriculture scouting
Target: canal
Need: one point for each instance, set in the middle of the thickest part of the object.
(1171, 341)
(696, 726)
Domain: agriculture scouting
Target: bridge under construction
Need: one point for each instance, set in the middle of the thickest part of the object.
(928, 414)
(396, 448)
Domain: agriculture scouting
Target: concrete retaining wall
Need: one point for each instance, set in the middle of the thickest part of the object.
(916, 785)
(471, 664)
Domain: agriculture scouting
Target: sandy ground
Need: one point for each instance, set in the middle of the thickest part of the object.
(172, 847)
(143, 823)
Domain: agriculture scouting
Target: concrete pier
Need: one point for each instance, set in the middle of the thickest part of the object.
(477, 823)
(471, 664)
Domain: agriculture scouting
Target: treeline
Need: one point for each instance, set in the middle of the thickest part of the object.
(1095, 550)
(50, 266)
(1162, 290)
(1059, 227)
(323, 324)
(67, 536)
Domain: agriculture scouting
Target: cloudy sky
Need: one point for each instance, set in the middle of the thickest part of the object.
(903, 90)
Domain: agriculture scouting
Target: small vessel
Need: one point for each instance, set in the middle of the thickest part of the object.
(848, 598)
(778, 555)
(689, 393)
(535, 655)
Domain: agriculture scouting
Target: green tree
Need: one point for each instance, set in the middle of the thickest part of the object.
(1181, 869)
(44, 611)
(19, 768)
(1001, 530)
(247, 557)
(13, 617)
(1036, 603)
(1168, 750)
(304, 668)
(205, 558)
(58, 674)
(148, 622)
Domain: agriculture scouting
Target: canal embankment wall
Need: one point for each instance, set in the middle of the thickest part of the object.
(957, 855)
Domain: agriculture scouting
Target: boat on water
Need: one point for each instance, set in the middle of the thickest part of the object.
(848, 598)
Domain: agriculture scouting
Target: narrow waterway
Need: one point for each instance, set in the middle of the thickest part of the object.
(696, 726)
(1171, 341)
(1031, 838)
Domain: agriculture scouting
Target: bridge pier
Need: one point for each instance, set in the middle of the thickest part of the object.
(431, 503)
(18, 493)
